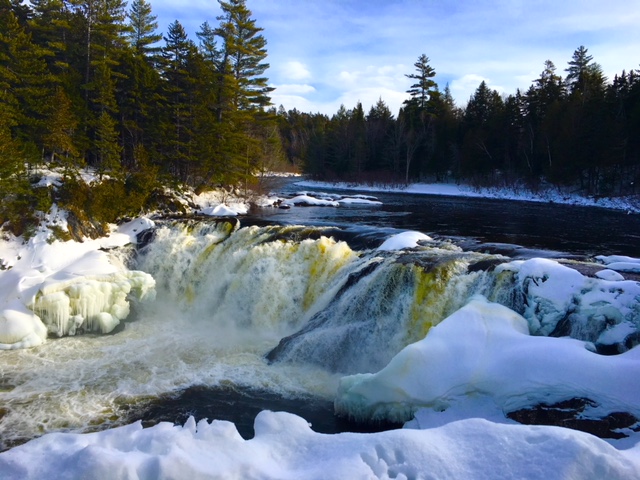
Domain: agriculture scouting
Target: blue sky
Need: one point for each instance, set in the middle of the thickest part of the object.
(324, 53)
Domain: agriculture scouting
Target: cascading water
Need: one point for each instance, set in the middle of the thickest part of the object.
(281, 309)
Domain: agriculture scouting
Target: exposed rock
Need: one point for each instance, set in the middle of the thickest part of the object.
(81, 227)
(571, 414)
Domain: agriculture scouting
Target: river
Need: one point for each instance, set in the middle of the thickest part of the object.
(548, 229)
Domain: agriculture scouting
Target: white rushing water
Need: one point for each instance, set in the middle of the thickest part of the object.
(227, 297)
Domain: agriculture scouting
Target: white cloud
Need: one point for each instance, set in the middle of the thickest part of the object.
(294, 70)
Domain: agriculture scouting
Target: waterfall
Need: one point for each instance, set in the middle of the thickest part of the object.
(337, 308)
(349, 311)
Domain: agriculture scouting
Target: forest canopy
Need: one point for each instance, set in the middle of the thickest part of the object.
(94, 84)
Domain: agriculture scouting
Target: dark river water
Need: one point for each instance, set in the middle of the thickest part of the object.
(515, 228)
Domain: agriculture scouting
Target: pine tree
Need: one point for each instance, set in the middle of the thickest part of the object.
(241, 90)
(62, 125)
(425, 86)
(582, 75)
(243, 55)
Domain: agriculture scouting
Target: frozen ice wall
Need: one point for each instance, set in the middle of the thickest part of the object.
(92, 303)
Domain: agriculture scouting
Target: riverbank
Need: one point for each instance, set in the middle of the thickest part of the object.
(629, 204)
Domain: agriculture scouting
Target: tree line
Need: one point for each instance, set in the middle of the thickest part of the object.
(92, 83)
(578, 130)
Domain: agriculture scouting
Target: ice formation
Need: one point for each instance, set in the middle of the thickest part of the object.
(61, 287)
(93, 303)
(559, 300)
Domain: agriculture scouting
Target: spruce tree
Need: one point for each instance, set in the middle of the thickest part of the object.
(178, 63)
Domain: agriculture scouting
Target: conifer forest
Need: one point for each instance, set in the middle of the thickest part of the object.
(95, 84)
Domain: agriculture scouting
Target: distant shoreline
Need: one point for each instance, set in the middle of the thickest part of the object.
(629, 204)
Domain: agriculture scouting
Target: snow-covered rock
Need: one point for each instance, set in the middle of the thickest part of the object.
(484, 349)
(404, 240)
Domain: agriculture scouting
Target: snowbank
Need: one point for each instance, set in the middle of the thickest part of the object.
(60, 287)
(284, 447)
(484, 349)
(620, 263)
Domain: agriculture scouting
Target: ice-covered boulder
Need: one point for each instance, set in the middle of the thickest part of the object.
(560, 301)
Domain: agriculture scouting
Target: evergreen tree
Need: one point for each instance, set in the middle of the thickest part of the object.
(483, 138)
(140, 93)
(62, 125)
(583, 76)
(178, 61)
(379, 125)
(25, 74)
(425, 86)
(243, 55)
(242, 91)
(143, 26)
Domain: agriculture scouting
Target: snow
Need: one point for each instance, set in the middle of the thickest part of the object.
(404, 240)
(56, 287)
(219, 211)
(628, 267)
(310, 201)
(620, 263)
(355, 200)
(617, 333)
(285, 447)
(551, 195)
(609, 275)
(220, 203)
(484, 349)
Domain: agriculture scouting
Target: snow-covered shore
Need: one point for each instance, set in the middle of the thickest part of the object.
(550, 195)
